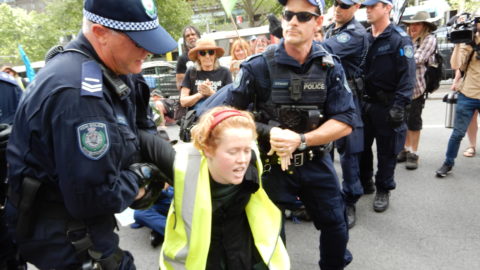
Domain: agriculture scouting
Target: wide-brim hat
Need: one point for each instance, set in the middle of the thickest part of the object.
(205, 44)
(5, 68)
(422, 17)
(136, 18)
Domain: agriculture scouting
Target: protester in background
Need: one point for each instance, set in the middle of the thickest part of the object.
(420, 29)
(261, 44)
(22, 82)
(252, 42)
(220, 216)
(190, 36)
(206, 77)
(466, 58)
(239, 51)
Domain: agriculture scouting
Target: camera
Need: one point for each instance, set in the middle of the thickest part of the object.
(463, 31)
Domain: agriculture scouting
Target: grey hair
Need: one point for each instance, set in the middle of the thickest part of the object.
(198, 67)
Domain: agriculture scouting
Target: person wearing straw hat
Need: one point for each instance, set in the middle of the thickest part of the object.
(206, 77)
(74, 156)
(420, 28)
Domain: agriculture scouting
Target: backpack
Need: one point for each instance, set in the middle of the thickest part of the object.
(433, 74)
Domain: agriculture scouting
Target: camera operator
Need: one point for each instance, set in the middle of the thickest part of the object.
(466, 58)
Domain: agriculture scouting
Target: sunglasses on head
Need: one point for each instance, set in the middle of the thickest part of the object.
(342, 5)
(204, 52)
(303, 16)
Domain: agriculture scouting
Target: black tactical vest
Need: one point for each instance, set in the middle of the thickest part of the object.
(296, 100)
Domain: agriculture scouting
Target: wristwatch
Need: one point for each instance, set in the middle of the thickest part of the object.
(303, 143)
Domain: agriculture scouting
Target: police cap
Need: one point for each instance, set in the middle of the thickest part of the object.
(319, 3)
(373, 2)
(136, 18)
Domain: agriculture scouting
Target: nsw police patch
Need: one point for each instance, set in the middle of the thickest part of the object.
(343, 38)
(93, 139)
(150, 8)
(408, 49)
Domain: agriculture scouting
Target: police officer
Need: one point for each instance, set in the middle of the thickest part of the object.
(11, 93)
(298, 93)
(347, 38)
(390, 78)
(74, 153)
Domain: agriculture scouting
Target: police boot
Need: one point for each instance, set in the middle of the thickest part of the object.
(381, 201)
(368, 186)
(351, 215)
(156, 239)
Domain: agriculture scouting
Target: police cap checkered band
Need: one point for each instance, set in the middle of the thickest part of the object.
(119, 25)
(136, 18)
(319, 3)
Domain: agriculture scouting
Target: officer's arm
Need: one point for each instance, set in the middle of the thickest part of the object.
(159, 152)
(406, 68)
(344, 44)
(88, 151)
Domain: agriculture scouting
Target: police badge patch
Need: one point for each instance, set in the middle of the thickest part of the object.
(408, 50)
(150, 8)
(93, 140)
(343, 38)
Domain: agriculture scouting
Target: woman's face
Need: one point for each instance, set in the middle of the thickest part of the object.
(229, 162)
(239, 53)
(415, 29)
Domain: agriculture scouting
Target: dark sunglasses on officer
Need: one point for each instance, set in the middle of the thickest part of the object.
(302, 16)
(341, 5)
(204, 52)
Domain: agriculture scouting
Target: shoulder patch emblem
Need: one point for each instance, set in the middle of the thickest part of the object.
(343, 38)
(150, 8)
(238, 79)
(408, 49)
(93, 139)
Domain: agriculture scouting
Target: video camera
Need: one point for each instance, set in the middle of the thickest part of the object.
(463, 31)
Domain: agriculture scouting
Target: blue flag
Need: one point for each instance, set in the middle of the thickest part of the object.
(26, 61)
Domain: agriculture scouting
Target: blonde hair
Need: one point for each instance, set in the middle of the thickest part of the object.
(242, 43)
(206, 139)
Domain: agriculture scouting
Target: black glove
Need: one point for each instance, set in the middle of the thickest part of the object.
(396, 116)
(152, 180)
(5, 131)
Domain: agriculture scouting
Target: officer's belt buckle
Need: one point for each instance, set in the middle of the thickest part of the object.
(298, 159)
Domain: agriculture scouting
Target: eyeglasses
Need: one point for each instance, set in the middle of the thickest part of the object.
(342, 5)
(303, 16)
(204, 52)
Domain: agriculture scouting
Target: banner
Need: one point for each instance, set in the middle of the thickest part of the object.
(228, 5)
(26, 62)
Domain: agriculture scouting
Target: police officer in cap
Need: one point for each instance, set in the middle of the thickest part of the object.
(11, 93)
(390, 79)
(74, 153)
(297, 90)
(347, 38)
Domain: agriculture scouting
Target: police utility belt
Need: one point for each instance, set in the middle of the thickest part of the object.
(379, 97)
(299, 158)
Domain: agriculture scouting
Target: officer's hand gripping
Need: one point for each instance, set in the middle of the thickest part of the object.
(152, 180)
(396, 116)
(5, 131)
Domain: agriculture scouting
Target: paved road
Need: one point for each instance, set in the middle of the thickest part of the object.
(432, 223)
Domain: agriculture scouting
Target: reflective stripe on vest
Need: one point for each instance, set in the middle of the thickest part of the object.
(188, 228)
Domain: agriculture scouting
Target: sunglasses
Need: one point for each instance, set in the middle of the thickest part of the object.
(303, 16)
(204, 52)
(342, 5)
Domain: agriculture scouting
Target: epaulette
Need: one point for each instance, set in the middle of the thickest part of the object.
(92, 80)
(327, 59)
(5, 77)
(351, 26)
(400, 31)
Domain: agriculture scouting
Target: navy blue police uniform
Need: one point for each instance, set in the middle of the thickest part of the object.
(350, 43)
(79, 152)
(390, 78)
(11, 94)
(263, 83)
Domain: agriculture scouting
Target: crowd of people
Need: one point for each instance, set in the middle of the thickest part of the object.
(93, 142)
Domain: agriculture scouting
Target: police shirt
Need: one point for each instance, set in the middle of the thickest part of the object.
(10, 93)
(390, 65)
(78, 138)
(253, 82)
(350, 43)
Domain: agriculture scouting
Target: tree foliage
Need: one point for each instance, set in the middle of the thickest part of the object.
(467, 5)
(62, 19)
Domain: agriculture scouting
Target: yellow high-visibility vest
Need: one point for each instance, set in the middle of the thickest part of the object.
(189, 221)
